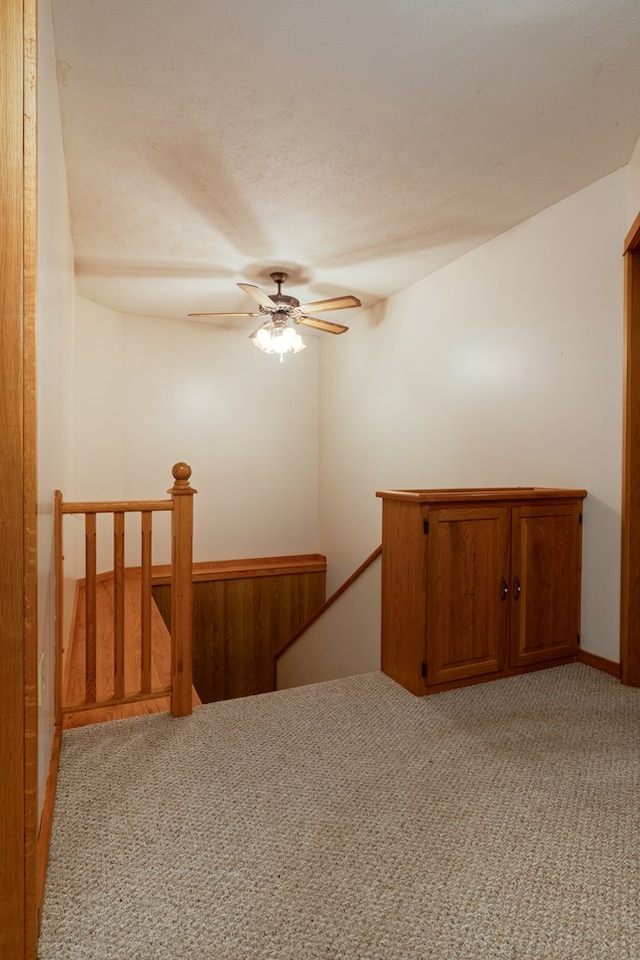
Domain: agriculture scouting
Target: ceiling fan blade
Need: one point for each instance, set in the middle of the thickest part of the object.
(259, 295)
(335, 303)
(196, 316)
(322, 325)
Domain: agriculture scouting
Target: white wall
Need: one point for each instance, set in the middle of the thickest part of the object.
(338, 644)
(152, 392)
(503, 368)
(633, 186)
(55, 297)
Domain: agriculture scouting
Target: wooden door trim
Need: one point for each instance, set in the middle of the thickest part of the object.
(18, 655)
(630, 553)
(33, 896)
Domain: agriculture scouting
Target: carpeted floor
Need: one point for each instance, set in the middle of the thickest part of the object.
(351, 821)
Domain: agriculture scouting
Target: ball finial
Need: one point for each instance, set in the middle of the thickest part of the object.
(181, 471)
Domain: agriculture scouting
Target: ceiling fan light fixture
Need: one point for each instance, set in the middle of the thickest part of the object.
(275, 337)
(278, 334)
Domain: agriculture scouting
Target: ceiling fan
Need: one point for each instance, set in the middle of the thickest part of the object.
(277, 334)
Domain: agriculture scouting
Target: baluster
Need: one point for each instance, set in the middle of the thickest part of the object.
(90, 608)
(145, 601)
(59, 594)
(118, 605)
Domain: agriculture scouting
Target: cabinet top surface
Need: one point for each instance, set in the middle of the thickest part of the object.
(457, 494)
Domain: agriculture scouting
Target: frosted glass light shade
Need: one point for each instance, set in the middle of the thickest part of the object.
(278, 339)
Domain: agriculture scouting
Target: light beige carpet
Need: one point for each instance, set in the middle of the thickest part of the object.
(351, 821)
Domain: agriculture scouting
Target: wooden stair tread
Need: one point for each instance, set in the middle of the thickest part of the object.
(74, 686)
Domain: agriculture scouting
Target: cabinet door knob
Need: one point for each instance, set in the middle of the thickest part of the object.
(504, 589)
(517, 588)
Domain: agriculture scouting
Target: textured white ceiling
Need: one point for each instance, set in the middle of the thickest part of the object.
(358, 144)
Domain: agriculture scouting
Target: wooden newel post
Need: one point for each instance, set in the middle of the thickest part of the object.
(181, 590)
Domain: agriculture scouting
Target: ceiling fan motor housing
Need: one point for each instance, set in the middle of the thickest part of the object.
(284, 301)
(287, 303)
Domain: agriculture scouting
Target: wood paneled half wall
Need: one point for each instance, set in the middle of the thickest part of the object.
(244, 611)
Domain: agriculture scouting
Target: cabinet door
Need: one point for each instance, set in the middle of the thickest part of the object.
(546, 569)
(467, 586)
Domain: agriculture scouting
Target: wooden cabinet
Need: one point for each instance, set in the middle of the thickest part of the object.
(478, 583)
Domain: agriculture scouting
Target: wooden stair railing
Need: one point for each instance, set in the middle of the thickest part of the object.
(326, 605)
(120, 692)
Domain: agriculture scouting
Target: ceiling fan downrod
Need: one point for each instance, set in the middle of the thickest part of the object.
(282, 300)
(278, 278)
